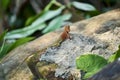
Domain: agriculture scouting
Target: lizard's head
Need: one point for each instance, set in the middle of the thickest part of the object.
(67, 28)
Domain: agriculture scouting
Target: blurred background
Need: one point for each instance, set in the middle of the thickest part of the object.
(24, 20)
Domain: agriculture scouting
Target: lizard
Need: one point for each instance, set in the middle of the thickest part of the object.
(33, 59)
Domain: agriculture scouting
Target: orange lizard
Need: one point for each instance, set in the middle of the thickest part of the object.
(65, 34)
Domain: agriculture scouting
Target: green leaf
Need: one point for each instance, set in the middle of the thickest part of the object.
(48, 15)
(31, 19)
(10, 46)
(20, 42)
(4, 4)
(2, 40)
(56, 23)
(49, 5)
(90, 63)
(115, 56)
(4, 49)
(44, 16)
(2, 36)
(83, 6)
(24, 32)
(88, 74)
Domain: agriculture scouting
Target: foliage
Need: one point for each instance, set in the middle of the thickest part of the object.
(90, 63)
(2, 36)
(83, 6)
(24, 32)
(46, 13)
(7, 47)
(46, 21)
(52, 17)
(115, 56)
(5, 3)
(56, 23)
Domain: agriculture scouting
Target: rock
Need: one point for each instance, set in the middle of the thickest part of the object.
(65, 55)
(100, 34)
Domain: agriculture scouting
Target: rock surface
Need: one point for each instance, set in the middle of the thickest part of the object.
(65, 54)
(100, 34)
